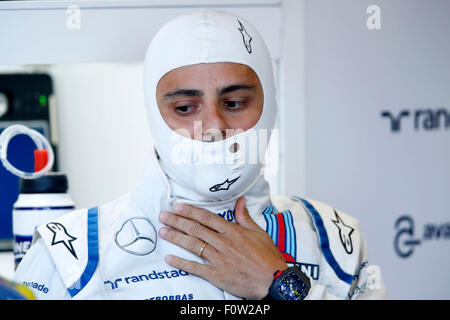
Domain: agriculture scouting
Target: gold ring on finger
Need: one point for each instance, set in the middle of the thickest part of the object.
(202, 248)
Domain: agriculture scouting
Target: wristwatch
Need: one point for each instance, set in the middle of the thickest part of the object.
(290, 284)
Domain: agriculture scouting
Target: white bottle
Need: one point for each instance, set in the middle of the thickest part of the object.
(40, 201)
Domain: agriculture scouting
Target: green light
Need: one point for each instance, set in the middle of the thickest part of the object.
(43, 100)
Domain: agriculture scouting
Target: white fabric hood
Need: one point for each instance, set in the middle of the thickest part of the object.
(207, 36)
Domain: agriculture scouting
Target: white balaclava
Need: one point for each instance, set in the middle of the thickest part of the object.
(208, 174)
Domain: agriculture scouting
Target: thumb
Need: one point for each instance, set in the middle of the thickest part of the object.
(243, 217)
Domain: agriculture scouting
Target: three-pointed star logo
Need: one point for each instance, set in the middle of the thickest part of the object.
(245, 37)
(345, 233)
(60, 235)
(223, 186)
(136, 236)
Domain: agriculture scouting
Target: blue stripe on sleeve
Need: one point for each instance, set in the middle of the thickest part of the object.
(294, 237)
(325, 244)
(92, 253)
(268, 225)
(274, 228)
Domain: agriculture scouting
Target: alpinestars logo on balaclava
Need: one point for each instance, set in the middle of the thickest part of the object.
(223, 186)
(245, 37)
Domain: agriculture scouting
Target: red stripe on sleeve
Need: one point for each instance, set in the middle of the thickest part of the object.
(281, 233)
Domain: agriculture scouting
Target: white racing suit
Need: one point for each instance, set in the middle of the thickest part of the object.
(113, 252)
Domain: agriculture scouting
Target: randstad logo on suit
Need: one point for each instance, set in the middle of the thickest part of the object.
(166, 274)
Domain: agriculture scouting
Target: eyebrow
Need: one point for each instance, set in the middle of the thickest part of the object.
(199, 93)
(184, 92)
(236, 87)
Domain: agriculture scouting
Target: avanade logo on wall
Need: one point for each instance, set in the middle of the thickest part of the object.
(405, 240)
(421, 119)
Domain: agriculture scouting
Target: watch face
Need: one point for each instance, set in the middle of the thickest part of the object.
(293, 286)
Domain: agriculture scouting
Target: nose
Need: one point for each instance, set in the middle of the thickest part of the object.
(214, 125)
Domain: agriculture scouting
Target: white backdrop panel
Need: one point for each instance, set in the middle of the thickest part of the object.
(355, 161)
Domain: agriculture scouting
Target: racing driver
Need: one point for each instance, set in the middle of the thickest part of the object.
(201, 223)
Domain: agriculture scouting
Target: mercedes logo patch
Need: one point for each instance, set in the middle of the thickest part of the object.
(137, 236)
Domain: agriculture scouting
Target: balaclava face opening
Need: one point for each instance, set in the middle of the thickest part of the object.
(209, 171)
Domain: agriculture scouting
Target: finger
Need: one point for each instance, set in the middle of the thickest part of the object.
(205, 217)
(192, 228)
(243, 218)
(190, 243)
(192, 267)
